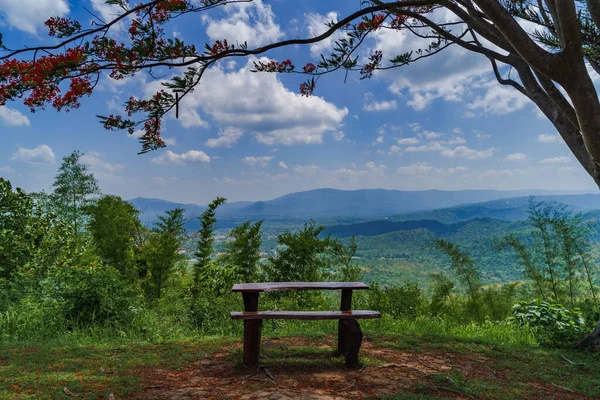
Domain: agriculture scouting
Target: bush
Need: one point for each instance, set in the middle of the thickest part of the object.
(552, 324)
(407, 300)
(90, 293)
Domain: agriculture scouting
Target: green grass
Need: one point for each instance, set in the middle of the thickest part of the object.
(512, 372)
(93, 364)
(43, 370)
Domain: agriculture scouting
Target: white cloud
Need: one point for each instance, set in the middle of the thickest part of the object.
(171, 141)
(162, 180)
(7, 170)
(29, 15)
(372, 167)
(424, 168)
(472, 154)
(556, 160)
(97, 165)
(262, 161)
(137, 134)
(227, 137)
(107, 12)
(282, 165)
(306, 169)
(12, 117)
(455, 140)
(431, 146)
(549, 138)
(338, 135)
(224, 181)
(395, 150)
(370, 104)
(252, 22)
(190, 157)
(452, 75)
(416, 127)
(516, 157)
(189, 118)
(351, 172)
(42, 154)
(315, 24)
(407, 141)
(430, 134)
(260, 103)
(500, 100)
(482, 136)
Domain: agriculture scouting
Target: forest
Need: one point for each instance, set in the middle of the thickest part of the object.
(78, 265)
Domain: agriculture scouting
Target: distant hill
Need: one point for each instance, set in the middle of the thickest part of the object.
(331, 204)
(510, 209)
(381, 227)
(150, 209)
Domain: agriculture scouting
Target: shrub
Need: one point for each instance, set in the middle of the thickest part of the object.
(90, 293)
(553, 325)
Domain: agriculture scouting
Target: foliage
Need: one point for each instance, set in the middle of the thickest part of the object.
(553, 324)
(114, 225)
(74, 188)
(29, 237)
(555, 252)
(464, 268)
(161, 254)
(240, 261)
(204, 250)
(405, 301)
(441, 289)
(304, 257)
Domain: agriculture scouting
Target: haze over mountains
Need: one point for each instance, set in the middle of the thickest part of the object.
(370, 204)
(394, 229)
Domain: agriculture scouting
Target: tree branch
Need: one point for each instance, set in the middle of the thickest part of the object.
(548, 63)
(571, 30)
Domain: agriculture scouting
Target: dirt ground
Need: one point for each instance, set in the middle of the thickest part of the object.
(301, 368)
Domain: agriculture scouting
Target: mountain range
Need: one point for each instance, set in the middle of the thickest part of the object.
(394, 229)
(369, 204)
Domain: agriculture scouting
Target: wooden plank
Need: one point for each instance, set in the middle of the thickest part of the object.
(306, 315)
(276, 286)
(345, 305)
(252, 331)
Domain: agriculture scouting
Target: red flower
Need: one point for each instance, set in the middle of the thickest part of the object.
(308, 68)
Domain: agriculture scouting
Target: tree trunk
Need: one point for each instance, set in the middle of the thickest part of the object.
(591, 341)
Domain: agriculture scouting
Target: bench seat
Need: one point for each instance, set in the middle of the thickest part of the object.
(306, 315)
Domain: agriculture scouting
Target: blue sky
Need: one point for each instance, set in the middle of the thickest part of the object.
(443, 123)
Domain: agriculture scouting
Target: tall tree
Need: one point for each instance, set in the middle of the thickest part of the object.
(242, 251)
(305, 257)
(204, 250)
(465, 270)
(114, 224)
(74, 190)
(162, 251)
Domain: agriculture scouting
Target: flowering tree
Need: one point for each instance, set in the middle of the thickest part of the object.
(551, 65)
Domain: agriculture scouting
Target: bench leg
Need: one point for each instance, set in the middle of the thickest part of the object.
(252, 331)
(341, 338)
(351, 339)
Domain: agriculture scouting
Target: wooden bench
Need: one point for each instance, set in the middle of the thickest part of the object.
(349, 333)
